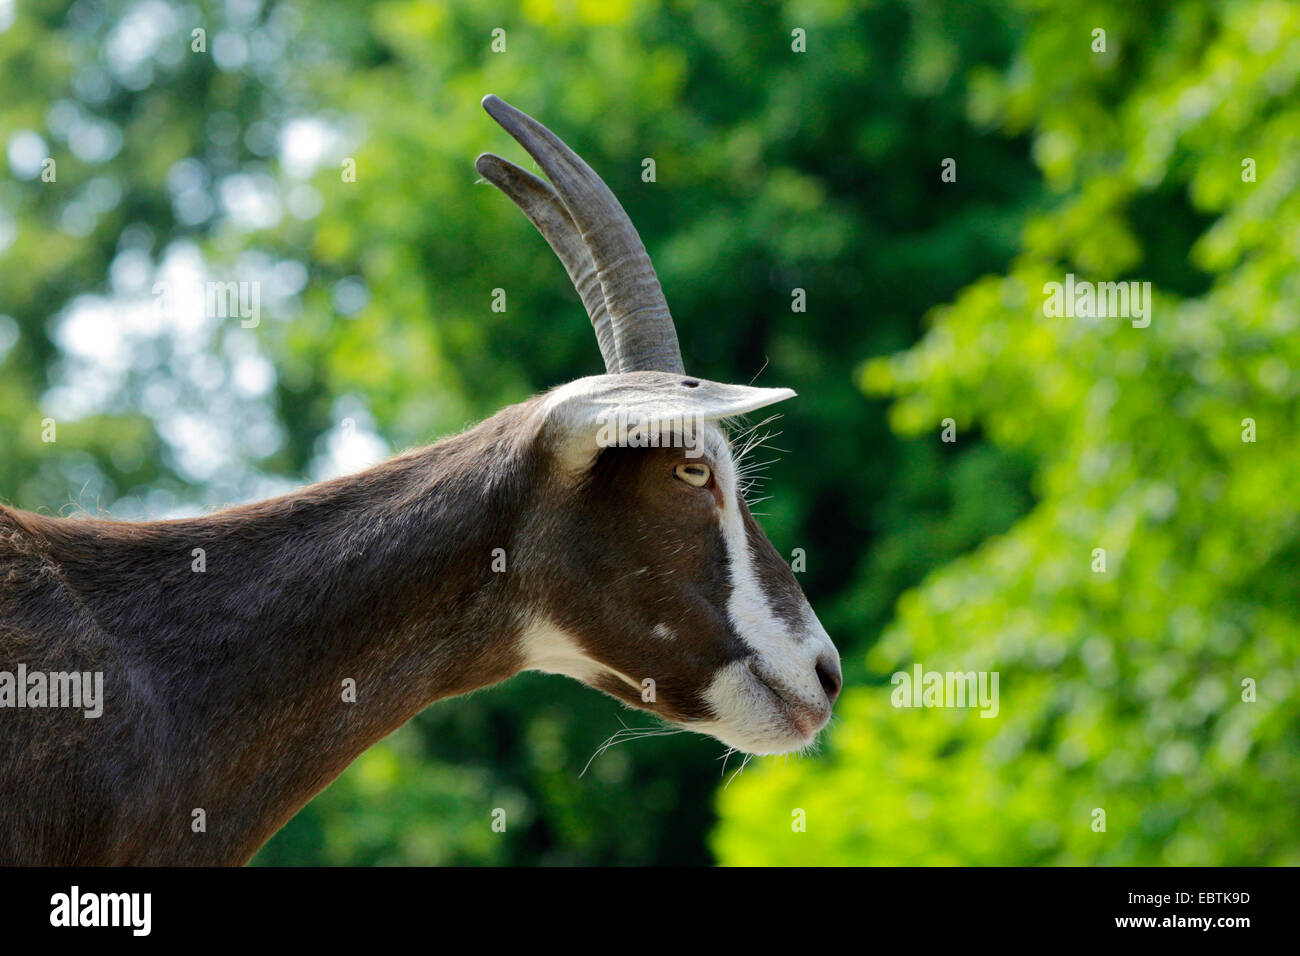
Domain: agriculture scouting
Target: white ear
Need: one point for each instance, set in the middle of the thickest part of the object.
(641, 409)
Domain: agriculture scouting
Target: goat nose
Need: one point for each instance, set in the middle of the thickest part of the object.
(828, 672)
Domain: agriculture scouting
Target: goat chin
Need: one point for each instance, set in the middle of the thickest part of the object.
(756, 717)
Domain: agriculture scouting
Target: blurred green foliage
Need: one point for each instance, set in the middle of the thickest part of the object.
(1124, 690)
(775, 170)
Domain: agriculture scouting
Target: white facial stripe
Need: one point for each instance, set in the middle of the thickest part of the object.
(748, 717)
(783, 660)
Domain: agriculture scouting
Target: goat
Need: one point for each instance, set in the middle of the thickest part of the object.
(532, 541)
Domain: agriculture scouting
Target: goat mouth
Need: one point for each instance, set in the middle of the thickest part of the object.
(797, 714)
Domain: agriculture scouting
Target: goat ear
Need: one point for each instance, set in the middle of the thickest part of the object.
(604, 410)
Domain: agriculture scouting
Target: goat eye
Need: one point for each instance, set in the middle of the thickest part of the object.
(697, 475)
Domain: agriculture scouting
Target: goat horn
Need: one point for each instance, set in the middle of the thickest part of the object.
(545, 210)
(642, 327)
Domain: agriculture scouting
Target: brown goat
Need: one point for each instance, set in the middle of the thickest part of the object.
(248, 656)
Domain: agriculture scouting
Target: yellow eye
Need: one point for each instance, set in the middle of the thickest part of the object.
(694, 474)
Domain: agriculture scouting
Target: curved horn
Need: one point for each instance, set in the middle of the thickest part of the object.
(546, 211)
(642, 326)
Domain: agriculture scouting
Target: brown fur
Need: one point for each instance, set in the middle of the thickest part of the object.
(223, 689)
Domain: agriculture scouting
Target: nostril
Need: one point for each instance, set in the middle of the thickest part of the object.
(828, 672)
